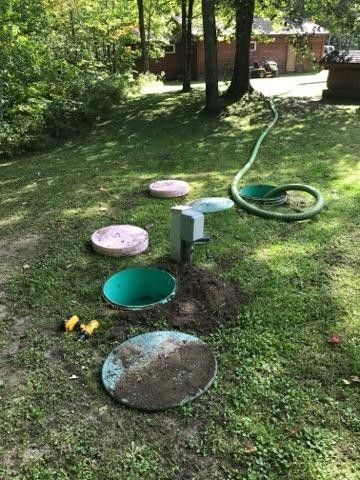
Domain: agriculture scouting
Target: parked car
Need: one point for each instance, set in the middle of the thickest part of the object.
(264, 69)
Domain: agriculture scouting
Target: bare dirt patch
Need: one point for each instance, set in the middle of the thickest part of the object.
(165, 380)
(14, 253)
(203, 301)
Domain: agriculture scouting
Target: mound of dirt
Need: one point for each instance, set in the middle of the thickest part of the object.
(202, 302)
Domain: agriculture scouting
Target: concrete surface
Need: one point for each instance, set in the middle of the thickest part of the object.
(308, 85)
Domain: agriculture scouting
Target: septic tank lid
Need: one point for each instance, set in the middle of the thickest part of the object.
(139, 288)
(169, 188)
(211, 204)
(119, 240)
(159, 370)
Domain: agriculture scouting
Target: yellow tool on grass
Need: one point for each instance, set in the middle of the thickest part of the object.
(87, 329)
(71, 323)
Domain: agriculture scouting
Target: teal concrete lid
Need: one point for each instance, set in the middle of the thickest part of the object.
(159, 370)
(139, 288)
(211, 204)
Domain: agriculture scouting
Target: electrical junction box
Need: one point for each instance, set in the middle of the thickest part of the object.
(192, 225)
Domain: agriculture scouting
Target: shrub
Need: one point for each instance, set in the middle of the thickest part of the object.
(61, 108)
(104, 93)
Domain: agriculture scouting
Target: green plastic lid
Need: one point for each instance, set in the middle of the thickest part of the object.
(262, 193)
(138, 288)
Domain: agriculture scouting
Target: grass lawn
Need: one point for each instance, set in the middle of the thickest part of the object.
(285, 404)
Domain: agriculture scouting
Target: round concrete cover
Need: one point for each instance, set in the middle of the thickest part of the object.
(211, 204)
(169, 188)
(119, 240)
(159, 370)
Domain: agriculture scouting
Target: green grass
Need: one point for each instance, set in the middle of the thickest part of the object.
(279, 408)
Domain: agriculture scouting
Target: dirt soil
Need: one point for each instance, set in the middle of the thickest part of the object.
(203, 301)
(163, 381)
(14, 255)
(14, 252)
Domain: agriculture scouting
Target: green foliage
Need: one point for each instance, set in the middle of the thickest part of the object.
(63, 64)
(59, 108)
(302, 46)
(338, 16)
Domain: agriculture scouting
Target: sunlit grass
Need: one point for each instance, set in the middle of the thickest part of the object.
(279, 409)
(11, 220)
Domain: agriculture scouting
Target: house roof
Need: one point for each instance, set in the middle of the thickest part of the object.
(265, 26)
(262, 26)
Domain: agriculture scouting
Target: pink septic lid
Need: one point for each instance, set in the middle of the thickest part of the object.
(118, 240)
(169, 188)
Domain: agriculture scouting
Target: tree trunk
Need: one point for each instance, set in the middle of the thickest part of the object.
(187, 77)
(184, 43)
(186, 27)
(212, 103)
(72, 24)
(144, 50)
(240, 82)
(1, 100)
(113, 54)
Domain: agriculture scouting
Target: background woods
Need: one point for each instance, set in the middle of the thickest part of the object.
(64, 63)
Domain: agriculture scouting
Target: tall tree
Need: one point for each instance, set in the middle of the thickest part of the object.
(240, 81)
(212, 101)
(186, 29)
(144, 48)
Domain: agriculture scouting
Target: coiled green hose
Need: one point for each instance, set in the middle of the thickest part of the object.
(286, 217)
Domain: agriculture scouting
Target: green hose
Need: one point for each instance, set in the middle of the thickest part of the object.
(286, 217)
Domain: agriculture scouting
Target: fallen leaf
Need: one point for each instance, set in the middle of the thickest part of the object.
(26, 266)
(103, 409)
(355, 379)
(73, 377)
(102, 189)
(249, 448)
(103, 209)
(345, 382)
(334, 340)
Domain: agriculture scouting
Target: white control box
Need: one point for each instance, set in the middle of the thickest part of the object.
(192, 225)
